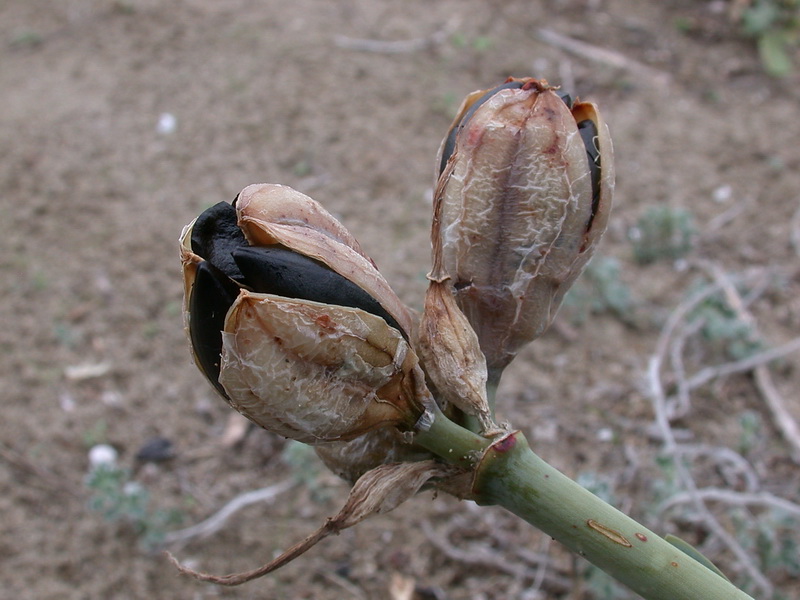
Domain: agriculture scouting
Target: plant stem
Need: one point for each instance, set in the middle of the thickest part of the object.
(507, 473)
(453, 443)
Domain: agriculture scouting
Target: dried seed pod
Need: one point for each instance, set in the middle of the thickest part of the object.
(293, 324)
(523, 196)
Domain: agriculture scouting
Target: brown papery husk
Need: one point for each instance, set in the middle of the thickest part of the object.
(451, 355)
(316, 372)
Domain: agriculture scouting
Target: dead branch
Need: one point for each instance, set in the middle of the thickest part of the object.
(52, 480)
(749, 363)
(795, 234)
(722, 455)
(783, 420)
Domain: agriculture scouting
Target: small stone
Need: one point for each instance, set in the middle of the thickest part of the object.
(102, 455)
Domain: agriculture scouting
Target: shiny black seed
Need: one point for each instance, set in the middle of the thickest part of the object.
(276, 270)
(588, 131)
(215, 235)
(212, 295)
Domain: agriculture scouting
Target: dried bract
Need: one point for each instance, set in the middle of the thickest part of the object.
(449, 349)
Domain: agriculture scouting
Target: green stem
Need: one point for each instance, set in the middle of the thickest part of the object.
(509, 474)
(451, 442)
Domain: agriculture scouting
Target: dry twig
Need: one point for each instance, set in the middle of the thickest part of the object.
(483, 557)
(397, 46)
(215, 522)
(777, 407)
(750, 363)
(658, 397)
(722, 455)
(795, 234)
(603, 56)
(52, 480)
(733, 498)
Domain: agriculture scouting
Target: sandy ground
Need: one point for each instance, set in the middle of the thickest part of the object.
(95, 192)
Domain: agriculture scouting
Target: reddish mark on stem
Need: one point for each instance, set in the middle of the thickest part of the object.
(642, 537)
(506, 444)
(674, 564)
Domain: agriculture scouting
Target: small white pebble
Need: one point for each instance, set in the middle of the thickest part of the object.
(606, 434)
(102, 455)
(166, 123)
(722, 194)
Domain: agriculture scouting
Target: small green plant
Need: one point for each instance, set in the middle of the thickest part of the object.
(479, 43)
(599, 290)
(27, 39)
(771, 537)
(306, 468)
(775, 25)
(752, 432)
(724, 330)
(662, 233)
(120, 499)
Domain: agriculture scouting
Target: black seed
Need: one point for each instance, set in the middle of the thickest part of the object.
(566, 98)
(215, 235)
(276, 270)
(588, 132)
(450, 143)
(212, 295)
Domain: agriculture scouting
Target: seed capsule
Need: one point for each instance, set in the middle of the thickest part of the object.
(292, 322)
(523, 196)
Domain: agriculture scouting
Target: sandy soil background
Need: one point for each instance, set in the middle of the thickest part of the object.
(96, 184)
